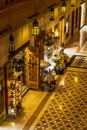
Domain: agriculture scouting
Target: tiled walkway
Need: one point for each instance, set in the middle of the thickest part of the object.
(67, 107)
(79, 61)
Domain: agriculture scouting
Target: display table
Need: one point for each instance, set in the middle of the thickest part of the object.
(47, 81)
(61, 63)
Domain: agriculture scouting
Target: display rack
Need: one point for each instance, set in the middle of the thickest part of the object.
(16, 79)
(20, 65)
(14, 91)
(47, 81)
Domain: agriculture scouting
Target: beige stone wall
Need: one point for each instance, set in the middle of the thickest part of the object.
(21, 36)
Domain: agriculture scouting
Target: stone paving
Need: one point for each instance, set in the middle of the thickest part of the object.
(67, 110)
(79, 61)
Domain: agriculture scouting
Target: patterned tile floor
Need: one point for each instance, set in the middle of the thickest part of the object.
(67, 110)
(79, 61)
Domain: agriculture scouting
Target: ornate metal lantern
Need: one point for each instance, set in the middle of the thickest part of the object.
(35, 28)
(52, 14)
(64, 7)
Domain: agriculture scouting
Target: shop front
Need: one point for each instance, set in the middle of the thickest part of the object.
(16, 75)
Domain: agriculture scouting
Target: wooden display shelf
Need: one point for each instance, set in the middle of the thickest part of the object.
(33, 67)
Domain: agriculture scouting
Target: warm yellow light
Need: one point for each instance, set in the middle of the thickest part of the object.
(52, 14)
(35, 28)
(56, 12)
(13, 124)
(35, 31)
(64, 7)
(24, 32)
(62, 83)
(56, 32)
(76, 79)
(60, 107)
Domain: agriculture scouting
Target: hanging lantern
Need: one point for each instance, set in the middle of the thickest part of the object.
(64, 7)
(35, 28)
(11, 44)
(73, 2)
(52, 14)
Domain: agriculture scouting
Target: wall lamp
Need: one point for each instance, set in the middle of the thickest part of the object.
(52, 14)
(35, 28)
(64, 7)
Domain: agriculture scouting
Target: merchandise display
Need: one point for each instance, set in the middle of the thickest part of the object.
(14, 95)
(47, 80)
(61, 62)
(48, 51)
(44, 64)
(16, 82)
(19, 64)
